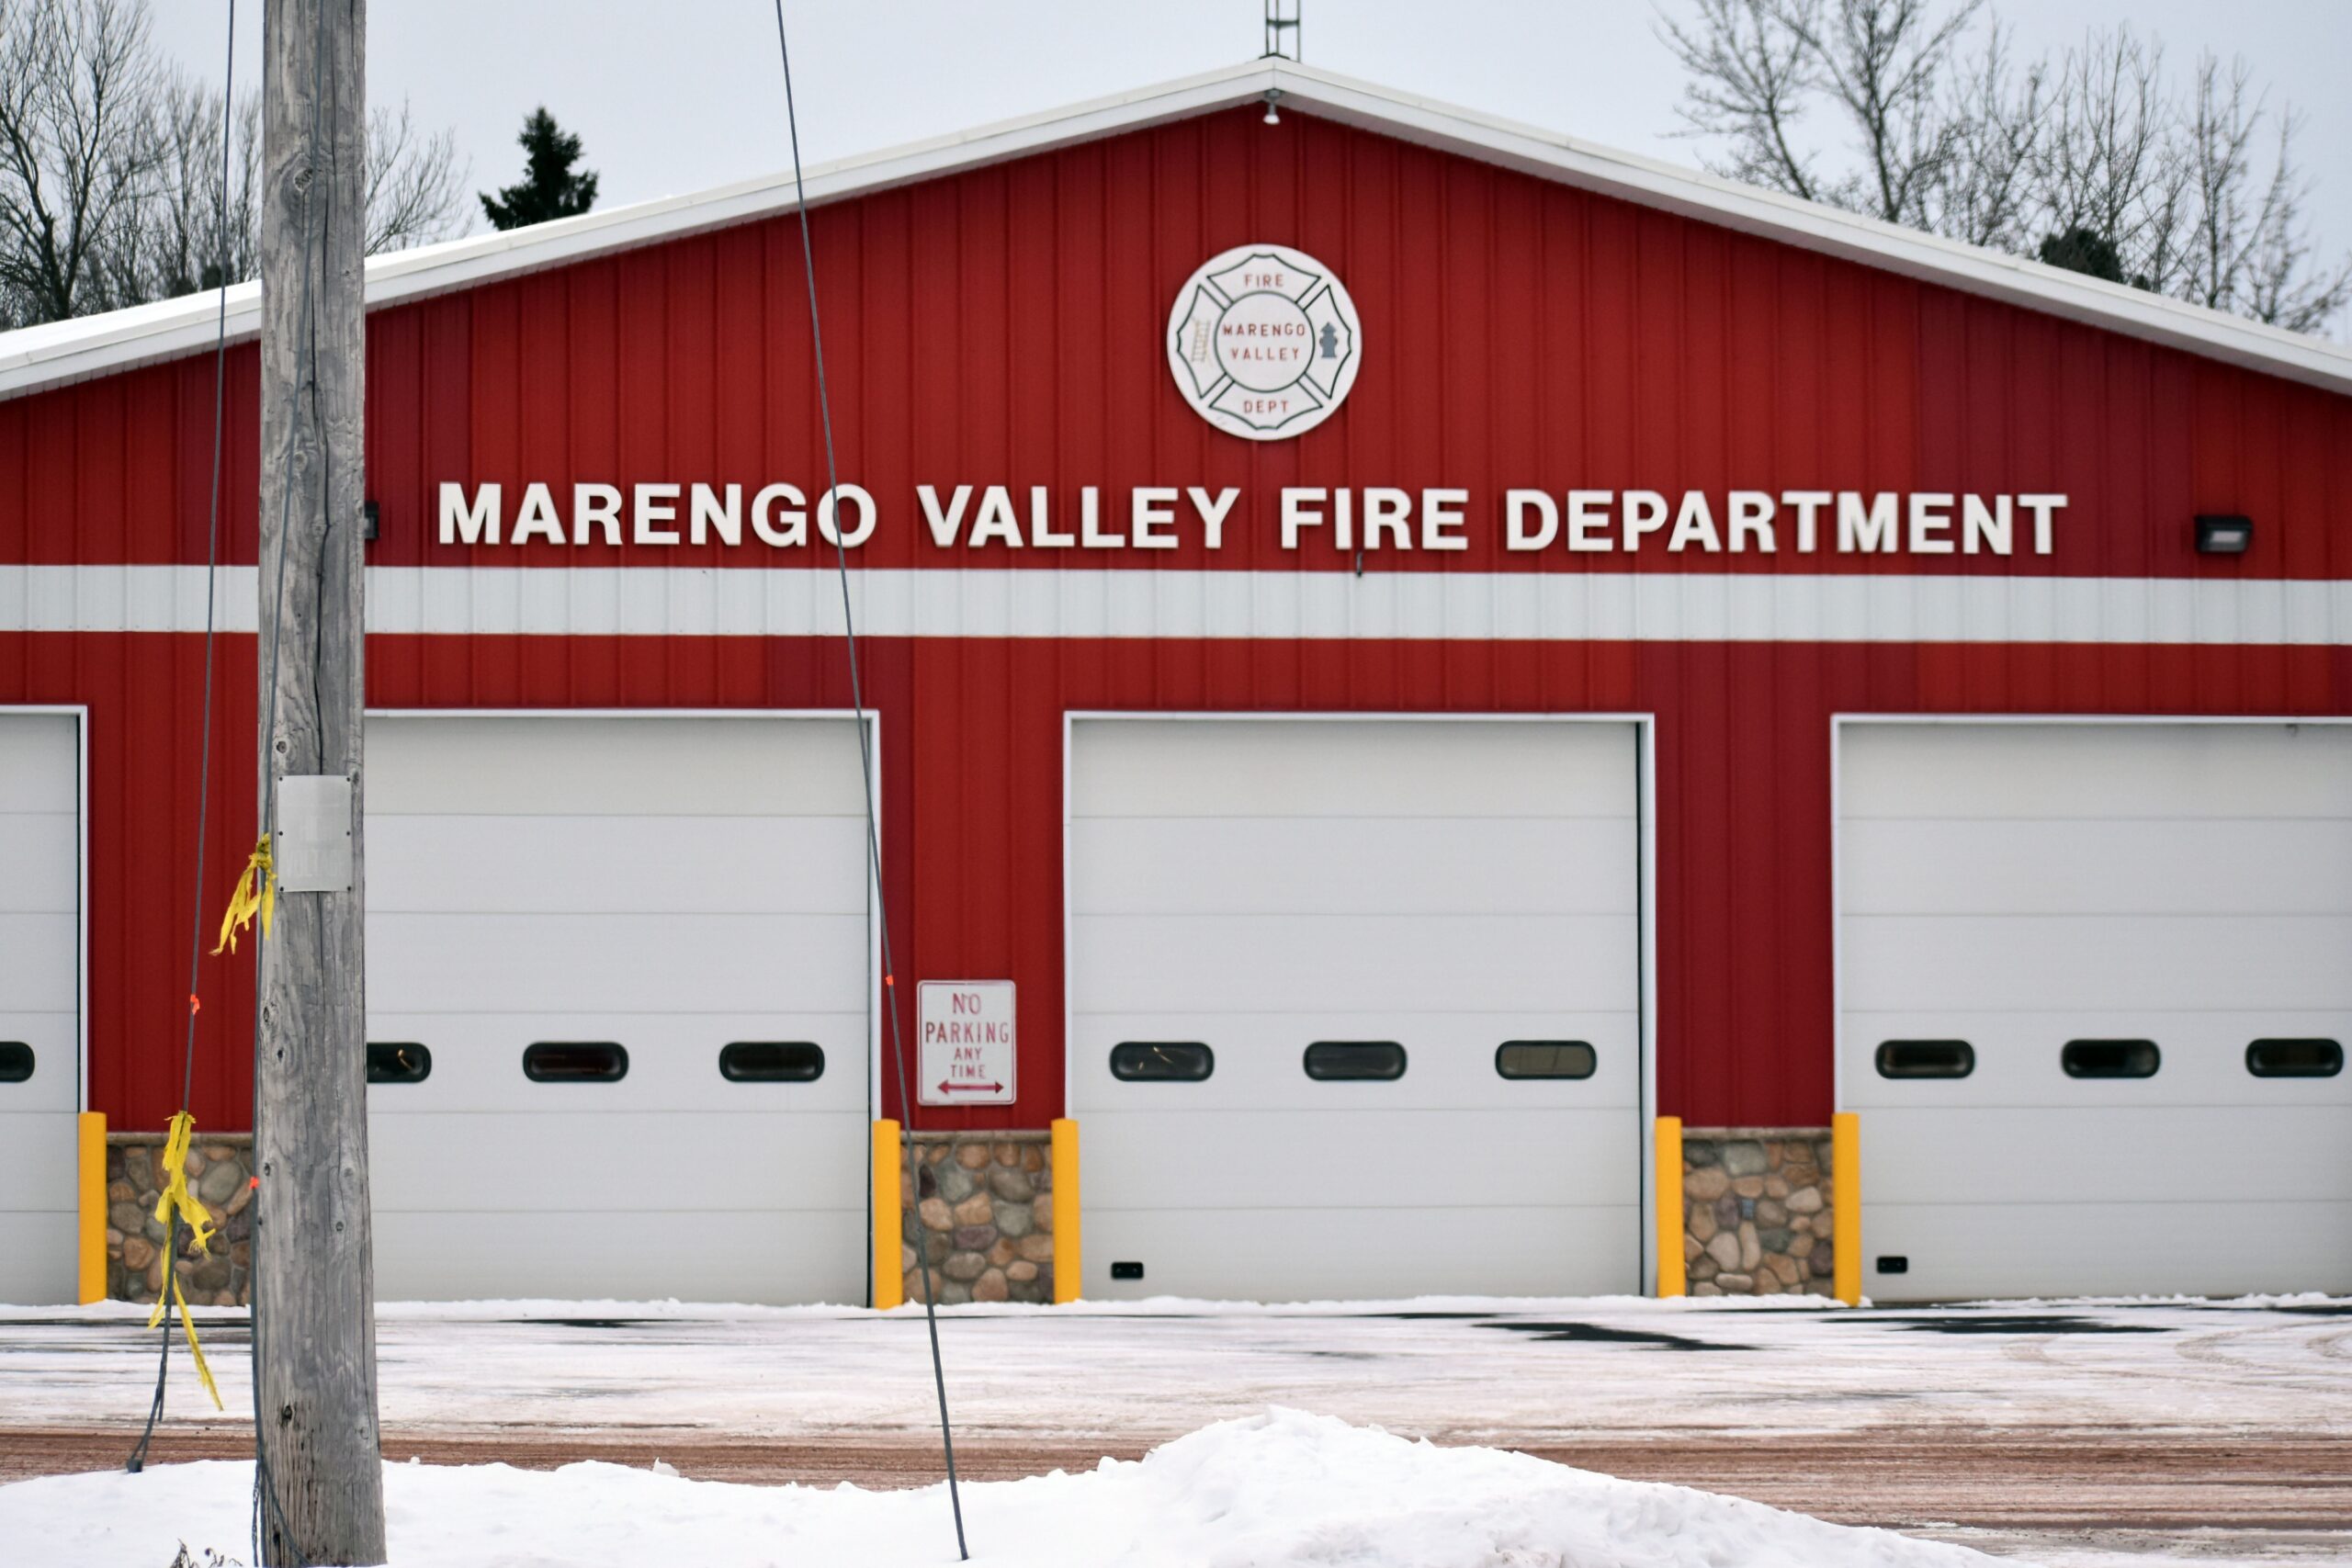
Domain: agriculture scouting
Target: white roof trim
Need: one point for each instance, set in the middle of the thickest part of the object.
(48, 355)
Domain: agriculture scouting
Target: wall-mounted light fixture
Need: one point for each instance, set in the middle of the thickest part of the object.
(367, 520)
(2223, 536)
(1273, 115)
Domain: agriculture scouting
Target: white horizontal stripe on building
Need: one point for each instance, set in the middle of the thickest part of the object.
(1271, 605)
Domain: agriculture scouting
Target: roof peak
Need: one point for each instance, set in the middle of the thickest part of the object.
(36, 358)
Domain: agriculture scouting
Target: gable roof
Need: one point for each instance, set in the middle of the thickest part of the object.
(35, 358)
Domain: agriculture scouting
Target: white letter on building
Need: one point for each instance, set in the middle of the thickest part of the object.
(461, 526)
(1876, 528)
(1441, 519)
(1807, 505)
(1644, 514)
(655, 503)
(1752, 513)
(709, 515)
(1517, 504)
(1214, 511)
(2040, 507)
(1992, 525)
(995, 520)
(1930, 523)
(1696, 523)
(795, 522)
(599, 505)
(1090, 523)
(1150, 510)
(945, 525)
(1588, 519)
(538, 519)
(1296, 514)
(860, 503)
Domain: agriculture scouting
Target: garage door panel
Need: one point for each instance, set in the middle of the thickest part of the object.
(43, 972)
(1276, 866)
(656, 765)
(673, 1061)
(1349, 768)
(2200, 867)
(56, 1042)
(41, 870)
(2148, 962)
(1356, 1254)
(1382, 962)
(37, 1163)
(2192, 1249)
(1267, 1158)
(543, 963)
(650, 865)
(2095, 772)
(2111, 1155)
(667, 885)
(698, 1255)
(2018, 1058)
(1450, 1059)
(768, 1161)
(2184, 884)
(40, 763)
(1446, 885)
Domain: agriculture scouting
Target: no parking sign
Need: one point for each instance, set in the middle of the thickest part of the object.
(966, 1028)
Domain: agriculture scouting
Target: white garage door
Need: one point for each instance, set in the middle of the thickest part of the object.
(41, 992)
(1371, 895)
(555, 887)
(2071, 903)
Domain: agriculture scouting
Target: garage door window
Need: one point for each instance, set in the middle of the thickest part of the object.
(398, 1061)
(1355, 1061)
(1162, 1061)
(575, 1061)
(771, 1061)
(2294, 1058)
(1544, 1059)
(2110, 1058)
(16, 1061)
(1926, 1059)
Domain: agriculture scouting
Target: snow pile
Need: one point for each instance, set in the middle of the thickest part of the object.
(1278, 1488)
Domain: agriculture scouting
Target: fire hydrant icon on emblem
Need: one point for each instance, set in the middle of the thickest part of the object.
(1264, 342)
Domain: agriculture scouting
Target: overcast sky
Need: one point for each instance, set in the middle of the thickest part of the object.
(673, 95)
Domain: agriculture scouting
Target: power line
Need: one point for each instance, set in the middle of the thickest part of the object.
(866, 763)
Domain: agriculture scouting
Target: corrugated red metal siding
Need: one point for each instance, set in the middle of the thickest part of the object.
(1003, 326)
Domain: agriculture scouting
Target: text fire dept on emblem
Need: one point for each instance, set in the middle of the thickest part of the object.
(1264, 342)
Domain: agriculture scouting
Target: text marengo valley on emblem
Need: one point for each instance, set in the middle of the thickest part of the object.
(1264, 342)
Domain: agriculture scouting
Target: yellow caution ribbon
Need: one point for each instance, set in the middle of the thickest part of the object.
(176, 1196)
(256, 893)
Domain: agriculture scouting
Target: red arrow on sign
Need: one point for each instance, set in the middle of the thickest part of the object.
(946, 1087)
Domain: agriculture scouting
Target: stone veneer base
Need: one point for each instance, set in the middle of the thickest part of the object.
(982, 1206)
(219, 1173)
(1756, 1206)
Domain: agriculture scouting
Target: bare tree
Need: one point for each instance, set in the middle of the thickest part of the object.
(111, 169)
(78, 84)
(2246, 243)
(1915, 111)
(415, 186)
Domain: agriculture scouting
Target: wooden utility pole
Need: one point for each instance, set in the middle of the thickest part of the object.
(313, 1275)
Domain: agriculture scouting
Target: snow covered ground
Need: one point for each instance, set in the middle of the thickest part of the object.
(1278, 1488)
(2078, 1434)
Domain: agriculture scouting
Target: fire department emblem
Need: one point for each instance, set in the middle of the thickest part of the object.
(1264, 342)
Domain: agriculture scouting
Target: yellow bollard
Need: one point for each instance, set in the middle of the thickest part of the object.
(90, 1134)
(1846, 1203)
(1067, 1261)
(1673, 1279)
(889, 1216)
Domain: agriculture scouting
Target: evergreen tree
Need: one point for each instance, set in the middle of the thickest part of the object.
(2081, 249)
(548, 188)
